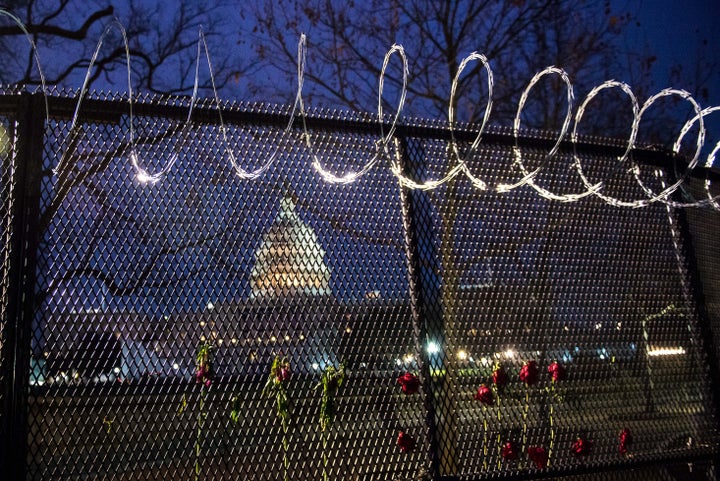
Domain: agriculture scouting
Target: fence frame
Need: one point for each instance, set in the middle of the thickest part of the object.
(29, 112)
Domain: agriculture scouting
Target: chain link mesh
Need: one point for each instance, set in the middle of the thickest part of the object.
(135, 279)
(6, 187)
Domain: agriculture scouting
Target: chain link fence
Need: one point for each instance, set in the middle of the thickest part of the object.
(206, 326)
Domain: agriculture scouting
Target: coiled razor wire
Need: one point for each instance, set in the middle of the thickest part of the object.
(383, 151)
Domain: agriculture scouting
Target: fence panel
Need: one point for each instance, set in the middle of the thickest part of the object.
(483, 333)
(594, 312)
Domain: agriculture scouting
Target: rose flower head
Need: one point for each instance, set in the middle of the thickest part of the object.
(204, 365)
(485, 395)
(509, 451)
(282, 373)
(529, 373)
(409, 383)
(581, 447)
(625, 440)
(405, 442)
(557, 372)
(499, 376)
(539, 456)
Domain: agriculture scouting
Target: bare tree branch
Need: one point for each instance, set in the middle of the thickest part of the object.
(45, 29)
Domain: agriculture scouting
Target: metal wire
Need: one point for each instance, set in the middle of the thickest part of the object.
(134, 279)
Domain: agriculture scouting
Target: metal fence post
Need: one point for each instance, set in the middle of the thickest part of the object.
(23, 242)
(705, 334)
(413, 218)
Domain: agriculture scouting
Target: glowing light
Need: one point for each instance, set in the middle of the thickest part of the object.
(510, 354)
(665, 351)
(462, 355)
(145, 178)
(315, 366)
(176, 366)
(382, 146)
(433, 347)
(408, 358)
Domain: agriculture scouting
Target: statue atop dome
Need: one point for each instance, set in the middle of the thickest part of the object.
(289, 261)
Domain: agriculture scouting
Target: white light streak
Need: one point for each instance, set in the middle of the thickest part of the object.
(665, 351)
(382, 151)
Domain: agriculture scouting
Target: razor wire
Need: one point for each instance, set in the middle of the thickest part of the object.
(382, 146)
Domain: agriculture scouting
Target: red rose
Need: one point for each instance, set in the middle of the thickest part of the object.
(484, 395)
(405, 442)
(409, 382)
(625, 440)
(557, 371)
(539, 456)
(581, 447)
(499, 376)
(509, 451)
(529, 373)
(282, 372)
(203, 376)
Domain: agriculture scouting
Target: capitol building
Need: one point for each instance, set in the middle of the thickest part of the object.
(290, 310)
(290, 261)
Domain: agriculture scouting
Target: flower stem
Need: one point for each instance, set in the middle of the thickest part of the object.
(551, 409)
(199, 435)
(552, 432)
(325, 455)
(525, 419)
(485, 439)
(286, 445)
(499, 435)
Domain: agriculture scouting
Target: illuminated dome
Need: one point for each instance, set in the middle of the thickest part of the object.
(289, 260)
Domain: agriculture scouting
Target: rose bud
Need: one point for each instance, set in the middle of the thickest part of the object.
(409, 383)
(625, 440)
(539, 456)
(509, 451)
(581, 447)
(405, 442)
(499, 377)
(529, 373)
(484, 395)
(557, 371)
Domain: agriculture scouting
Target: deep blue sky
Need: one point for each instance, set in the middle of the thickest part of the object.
(674, 31)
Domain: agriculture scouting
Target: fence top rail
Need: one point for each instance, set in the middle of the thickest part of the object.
(112, 107)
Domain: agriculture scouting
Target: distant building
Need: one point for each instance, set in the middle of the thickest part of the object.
(290, 260)
(291, 310)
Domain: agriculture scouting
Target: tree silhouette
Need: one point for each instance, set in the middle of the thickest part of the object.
(162, 44)
(346, 42)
